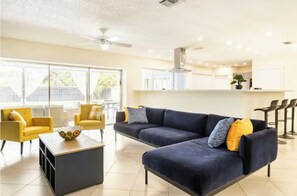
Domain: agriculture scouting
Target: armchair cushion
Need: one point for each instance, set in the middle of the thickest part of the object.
(15, 116)
(35, 130)
(95, 113)
(89, 123)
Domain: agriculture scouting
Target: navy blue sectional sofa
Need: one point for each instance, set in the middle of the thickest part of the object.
(183, 157)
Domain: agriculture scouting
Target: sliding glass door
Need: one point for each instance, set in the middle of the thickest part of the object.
(105, 88)
(57, 90)
(68, 90)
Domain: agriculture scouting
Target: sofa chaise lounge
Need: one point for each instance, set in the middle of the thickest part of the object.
(183, 157)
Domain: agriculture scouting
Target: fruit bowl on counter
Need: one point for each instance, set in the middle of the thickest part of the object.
(70, 132)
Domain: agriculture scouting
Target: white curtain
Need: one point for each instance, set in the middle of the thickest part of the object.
(93, 81)
(33, 79)
(80, 79)
(12, 77)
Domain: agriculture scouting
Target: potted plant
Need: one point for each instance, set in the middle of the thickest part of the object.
(238, 79)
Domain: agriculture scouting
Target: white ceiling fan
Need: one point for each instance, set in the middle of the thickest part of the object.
(105, 41)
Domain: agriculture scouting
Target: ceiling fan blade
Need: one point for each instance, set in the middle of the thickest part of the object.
(87, 37)
(121, 44)
(114, 38)
(81, 44)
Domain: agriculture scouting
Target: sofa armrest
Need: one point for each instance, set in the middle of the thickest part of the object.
(120, 116)
(44, 121)
(11, 130)
(258, 149)
(76, 119)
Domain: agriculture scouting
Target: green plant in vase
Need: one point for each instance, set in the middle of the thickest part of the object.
(238, 79)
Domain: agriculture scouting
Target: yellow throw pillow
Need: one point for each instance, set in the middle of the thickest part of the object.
(15, 116)
(96, 112)
(238, 129)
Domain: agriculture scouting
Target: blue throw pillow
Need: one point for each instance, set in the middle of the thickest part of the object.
(137, 115)
(219, 133)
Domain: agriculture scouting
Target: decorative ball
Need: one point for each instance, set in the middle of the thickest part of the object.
(70, 132)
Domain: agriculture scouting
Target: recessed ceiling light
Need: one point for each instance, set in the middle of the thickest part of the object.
(248, 49)
(239, 46)
(235, 64)
(257, 52)
(199, 62)
(229, 42)
(150, 51)
(206, 63)
(268, 34)
(244, 63)
(200, 39)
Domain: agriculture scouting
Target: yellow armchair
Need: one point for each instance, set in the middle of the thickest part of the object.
(82, 119)
(14, 131)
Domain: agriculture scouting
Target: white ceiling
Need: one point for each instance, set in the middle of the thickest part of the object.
(230, 31)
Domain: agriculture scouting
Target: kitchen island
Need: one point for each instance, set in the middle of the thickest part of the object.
(239, 103)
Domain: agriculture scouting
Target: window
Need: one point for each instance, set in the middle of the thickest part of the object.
(156, 79)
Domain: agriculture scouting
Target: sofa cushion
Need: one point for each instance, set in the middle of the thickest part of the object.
(213, 119)
(195, 165)
(219, 133)
(155, 115)
(193, 122)
(34, 130)
(162, 136)
(131, 129)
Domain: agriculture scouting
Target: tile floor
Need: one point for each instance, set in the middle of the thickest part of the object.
(124, 174)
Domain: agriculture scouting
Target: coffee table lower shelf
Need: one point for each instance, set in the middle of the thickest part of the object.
(73, 171)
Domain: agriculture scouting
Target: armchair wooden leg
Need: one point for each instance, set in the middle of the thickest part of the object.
(101, 131)
(30, 141)
(22, 147)
(3, 144)
(268, 170)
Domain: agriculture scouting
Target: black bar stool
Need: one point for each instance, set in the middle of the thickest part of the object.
(273, 106)
(293, 104)
(283, 105)
(285, 135)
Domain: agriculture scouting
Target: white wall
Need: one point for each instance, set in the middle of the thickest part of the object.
(131, 65)
(283, 67)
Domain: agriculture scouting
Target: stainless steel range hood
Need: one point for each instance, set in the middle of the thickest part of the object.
(179, 61)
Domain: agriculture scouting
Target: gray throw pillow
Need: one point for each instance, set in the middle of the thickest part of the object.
(137, 115)
(219, 133)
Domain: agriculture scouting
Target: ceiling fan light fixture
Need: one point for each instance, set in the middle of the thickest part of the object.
(104, 46)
